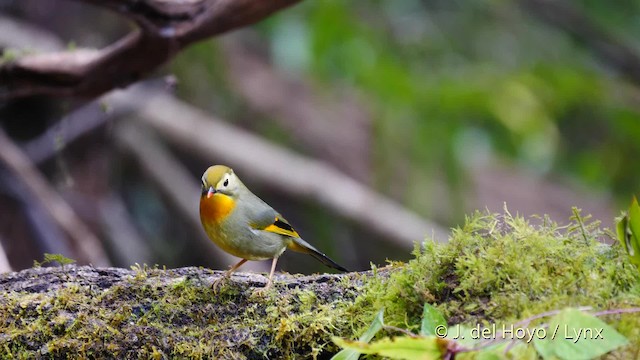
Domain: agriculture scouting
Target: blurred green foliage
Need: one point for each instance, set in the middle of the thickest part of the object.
(452, 83)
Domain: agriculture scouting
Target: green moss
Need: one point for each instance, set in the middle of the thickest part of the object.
(183, 318)
(501, 269)
(495, 269)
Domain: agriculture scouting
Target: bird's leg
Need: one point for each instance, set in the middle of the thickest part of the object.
(270, 281)
(227, 275)
(235, 267)
(273, 269)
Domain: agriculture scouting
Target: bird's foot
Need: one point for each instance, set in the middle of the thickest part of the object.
(219, 282)
(262, 292)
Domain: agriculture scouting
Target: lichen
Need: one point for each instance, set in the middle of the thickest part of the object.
(496, 268)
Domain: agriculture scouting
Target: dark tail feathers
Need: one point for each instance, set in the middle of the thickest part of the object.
(302, 246)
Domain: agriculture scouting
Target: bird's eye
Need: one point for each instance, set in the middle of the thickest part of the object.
(226, 182)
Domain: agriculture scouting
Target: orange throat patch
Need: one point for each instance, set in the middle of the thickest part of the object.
(215, 208)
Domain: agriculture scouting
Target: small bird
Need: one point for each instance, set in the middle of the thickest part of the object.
(243, 225)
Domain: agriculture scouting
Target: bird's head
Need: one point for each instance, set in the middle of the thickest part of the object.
(219, 179)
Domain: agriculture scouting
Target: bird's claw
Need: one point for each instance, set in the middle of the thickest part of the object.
(217, 283)
(261, 292)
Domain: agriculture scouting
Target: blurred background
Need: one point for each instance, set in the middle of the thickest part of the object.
(435, 108)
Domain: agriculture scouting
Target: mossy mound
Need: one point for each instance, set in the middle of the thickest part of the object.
(495, 269)
(499, 269)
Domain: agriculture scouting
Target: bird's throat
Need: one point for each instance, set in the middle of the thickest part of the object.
(215, 208)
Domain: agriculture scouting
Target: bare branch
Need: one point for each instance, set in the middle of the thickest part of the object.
(84, 241)
(267, 162)
(165, 27)
(17, 34)
(5, 266)
(126, 243)
(309, 115)
(48, 236)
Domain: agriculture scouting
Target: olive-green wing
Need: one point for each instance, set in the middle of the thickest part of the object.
(273, 222)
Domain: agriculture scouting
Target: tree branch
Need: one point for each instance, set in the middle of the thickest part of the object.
(164, 28)
(84, 241)
(309, 115)
(5, 266)
(266, 162)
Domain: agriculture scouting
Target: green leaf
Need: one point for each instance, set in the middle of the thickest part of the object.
(624, 232)
(634, 226)
(432, 319)
(628, 229)
(352, 354)
(463, 335)
(573, 334)
(376, 325)
(425, 348)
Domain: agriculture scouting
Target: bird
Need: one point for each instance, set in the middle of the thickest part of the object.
(245, 226)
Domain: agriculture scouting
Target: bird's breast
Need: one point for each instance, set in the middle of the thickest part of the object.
(216, 208)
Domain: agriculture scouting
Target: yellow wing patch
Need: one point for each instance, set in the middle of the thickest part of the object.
(299, 248)
(281, 227)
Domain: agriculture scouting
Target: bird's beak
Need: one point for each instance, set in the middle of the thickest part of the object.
(211, 192)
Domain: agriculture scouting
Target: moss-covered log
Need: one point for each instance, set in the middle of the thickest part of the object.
(496, 269)
(150, 312)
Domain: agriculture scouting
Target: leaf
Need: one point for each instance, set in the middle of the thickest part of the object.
(463, 335)
(624, 233)
(424, 348)
(628, 229)
(351, 354)
(432, 319)
(573, 334)
(634, 229)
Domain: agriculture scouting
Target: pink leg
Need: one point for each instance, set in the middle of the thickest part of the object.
(273, 269)
(235, 267)
(226, 276)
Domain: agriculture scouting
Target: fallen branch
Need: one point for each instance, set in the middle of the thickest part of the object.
(145, 313)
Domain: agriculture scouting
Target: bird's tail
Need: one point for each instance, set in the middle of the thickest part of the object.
(304, 247)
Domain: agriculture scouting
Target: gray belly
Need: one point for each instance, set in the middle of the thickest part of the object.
(254, 244)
